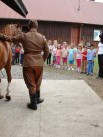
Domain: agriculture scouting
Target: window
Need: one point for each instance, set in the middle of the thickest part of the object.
(96, 35)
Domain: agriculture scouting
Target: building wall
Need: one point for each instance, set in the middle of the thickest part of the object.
(56, 31)
(61, 31)
(69, 32)
(87, 33)
(75, 33)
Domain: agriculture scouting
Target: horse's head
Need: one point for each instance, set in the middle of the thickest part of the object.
(10, 30)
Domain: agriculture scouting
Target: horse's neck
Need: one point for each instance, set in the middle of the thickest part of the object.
(4, 43)
(4, 50)
(9, 30)
(5, 31)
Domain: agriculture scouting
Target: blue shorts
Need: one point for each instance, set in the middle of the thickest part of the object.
(71, 61)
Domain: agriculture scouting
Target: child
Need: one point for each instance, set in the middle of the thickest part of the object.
(17, 54)
(64, 55)
(58, 56)
(79, 58)
(54, 54)
(71, 56)
(21, 55)
(50, 52)
(90, 59)
(84, 60)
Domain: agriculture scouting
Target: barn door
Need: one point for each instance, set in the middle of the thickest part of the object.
(75, 35)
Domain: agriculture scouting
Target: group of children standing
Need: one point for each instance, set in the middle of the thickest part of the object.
(17, 54)
(64, 56)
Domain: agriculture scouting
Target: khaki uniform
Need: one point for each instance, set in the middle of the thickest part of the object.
(33, 44)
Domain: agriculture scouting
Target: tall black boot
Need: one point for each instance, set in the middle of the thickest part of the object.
(39, 100)
(1, 96)
(33, 104)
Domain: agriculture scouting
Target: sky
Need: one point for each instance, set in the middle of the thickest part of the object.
(99, 0)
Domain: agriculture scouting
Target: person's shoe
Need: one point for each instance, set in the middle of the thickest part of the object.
(33, 100)
(68, 69)
(81, 72)
(1, 96)
(84, 72)
(72, 69)
(39, 100)
(32, 106)
(58, 66)
(98, 78)
(91, 74)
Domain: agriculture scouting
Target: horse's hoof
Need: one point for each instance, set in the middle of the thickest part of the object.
(8, 98)
(1, 96)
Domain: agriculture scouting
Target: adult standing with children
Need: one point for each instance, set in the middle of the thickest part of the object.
(33, 44)
(100, 56)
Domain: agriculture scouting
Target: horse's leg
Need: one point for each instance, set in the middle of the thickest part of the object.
(8, 72)
(1, 96)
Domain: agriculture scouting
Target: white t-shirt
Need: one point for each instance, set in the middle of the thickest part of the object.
(22, 51)
(54, 51)
(78, 54)
(64, 52)
(51, 47)
(100, 48)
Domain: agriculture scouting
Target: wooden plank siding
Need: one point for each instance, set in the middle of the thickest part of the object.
(56, 31)
(87, 33)
(61, 31)
(75, 34)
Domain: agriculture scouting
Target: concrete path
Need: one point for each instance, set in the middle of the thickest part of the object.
(71, 109)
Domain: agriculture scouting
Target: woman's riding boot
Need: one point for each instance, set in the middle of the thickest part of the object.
(1, 96)
(39, 100)
(33, 104)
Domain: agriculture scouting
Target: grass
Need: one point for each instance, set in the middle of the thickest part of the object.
(95, 66)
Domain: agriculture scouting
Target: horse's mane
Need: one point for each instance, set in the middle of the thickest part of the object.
(3, 29)
(9, 29)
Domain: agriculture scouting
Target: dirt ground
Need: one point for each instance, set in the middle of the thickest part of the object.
(93, 82)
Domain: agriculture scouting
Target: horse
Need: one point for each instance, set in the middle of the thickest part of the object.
(6, 56)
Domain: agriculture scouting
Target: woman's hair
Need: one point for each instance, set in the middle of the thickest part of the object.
(71, 46)
(55, 42)
(92, 45)
(80, 45)
(58, 46)
(49, 42)
(101, 38)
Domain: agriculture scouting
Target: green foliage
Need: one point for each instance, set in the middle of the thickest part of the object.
(96, 66)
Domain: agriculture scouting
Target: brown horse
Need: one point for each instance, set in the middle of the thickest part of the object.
(6, 56)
